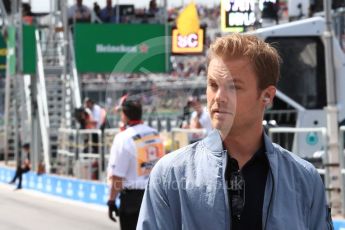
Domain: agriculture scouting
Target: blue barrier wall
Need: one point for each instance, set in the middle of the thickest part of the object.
(70, 188)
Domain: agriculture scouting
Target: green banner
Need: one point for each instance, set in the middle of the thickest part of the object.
(120, 48)
(11, 50)
(3, 54)
(29, 50)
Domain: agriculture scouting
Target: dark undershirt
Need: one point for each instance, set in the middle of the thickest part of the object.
(254, 173)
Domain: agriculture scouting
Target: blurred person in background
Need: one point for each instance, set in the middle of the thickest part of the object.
(84, 117)
(97, 120)
(78, 13)
(108, 13)
(24, 165)
(153, 7)
(200, 118)
(133, 154)
(98, 113)
(27, 15)
(96, 9)
(186, 113)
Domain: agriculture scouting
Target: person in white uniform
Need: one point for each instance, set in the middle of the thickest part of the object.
(134, 152)
(200, 118)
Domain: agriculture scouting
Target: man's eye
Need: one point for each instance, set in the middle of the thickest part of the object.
(212, 85)
(234, 87)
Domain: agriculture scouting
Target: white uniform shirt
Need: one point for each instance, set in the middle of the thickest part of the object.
(133, 154)
(97, 115)
(204, 119)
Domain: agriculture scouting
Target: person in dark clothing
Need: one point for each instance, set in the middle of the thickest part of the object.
(108, 14)
(24, 167)
(96, 9)
(186, 113)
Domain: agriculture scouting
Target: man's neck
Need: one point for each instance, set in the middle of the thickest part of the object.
(243, 145)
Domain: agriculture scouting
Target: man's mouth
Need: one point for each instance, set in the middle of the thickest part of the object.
(220, 111)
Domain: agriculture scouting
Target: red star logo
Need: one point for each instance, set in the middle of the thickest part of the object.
(143, 48)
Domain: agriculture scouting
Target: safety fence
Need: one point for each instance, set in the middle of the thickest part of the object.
(182, 137)
(306, 142)
(342, 160)
(84, 153)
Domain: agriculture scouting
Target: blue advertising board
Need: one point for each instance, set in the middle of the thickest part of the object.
(69, 188)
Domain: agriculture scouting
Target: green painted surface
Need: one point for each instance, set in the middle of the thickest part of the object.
(120, 48)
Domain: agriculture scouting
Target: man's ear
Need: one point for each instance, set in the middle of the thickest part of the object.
(124, 118)
(268, 94)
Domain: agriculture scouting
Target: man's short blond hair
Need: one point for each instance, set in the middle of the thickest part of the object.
(264, 58)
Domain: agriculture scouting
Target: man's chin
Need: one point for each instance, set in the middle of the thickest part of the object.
(223, 128)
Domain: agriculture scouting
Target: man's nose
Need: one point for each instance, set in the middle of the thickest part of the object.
(221, 95)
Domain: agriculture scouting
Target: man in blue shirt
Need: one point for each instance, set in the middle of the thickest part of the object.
(236, 178)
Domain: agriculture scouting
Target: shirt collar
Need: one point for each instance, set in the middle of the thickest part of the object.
(214, 143)
(258, 157)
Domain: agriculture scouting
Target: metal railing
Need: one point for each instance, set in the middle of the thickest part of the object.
(192, 136)
(42, 104)
(67, 150)
(79, 149)
(342, 162)
(75, 85)
(84, 153)
(4, 15)
(296, 140)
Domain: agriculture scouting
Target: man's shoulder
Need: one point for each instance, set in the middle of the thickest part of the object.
(175, 160)
(179, 156)
(147, 127)
(295, 172)
(142, 129)
(131, 132)
(123, 136)
(292, 160)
